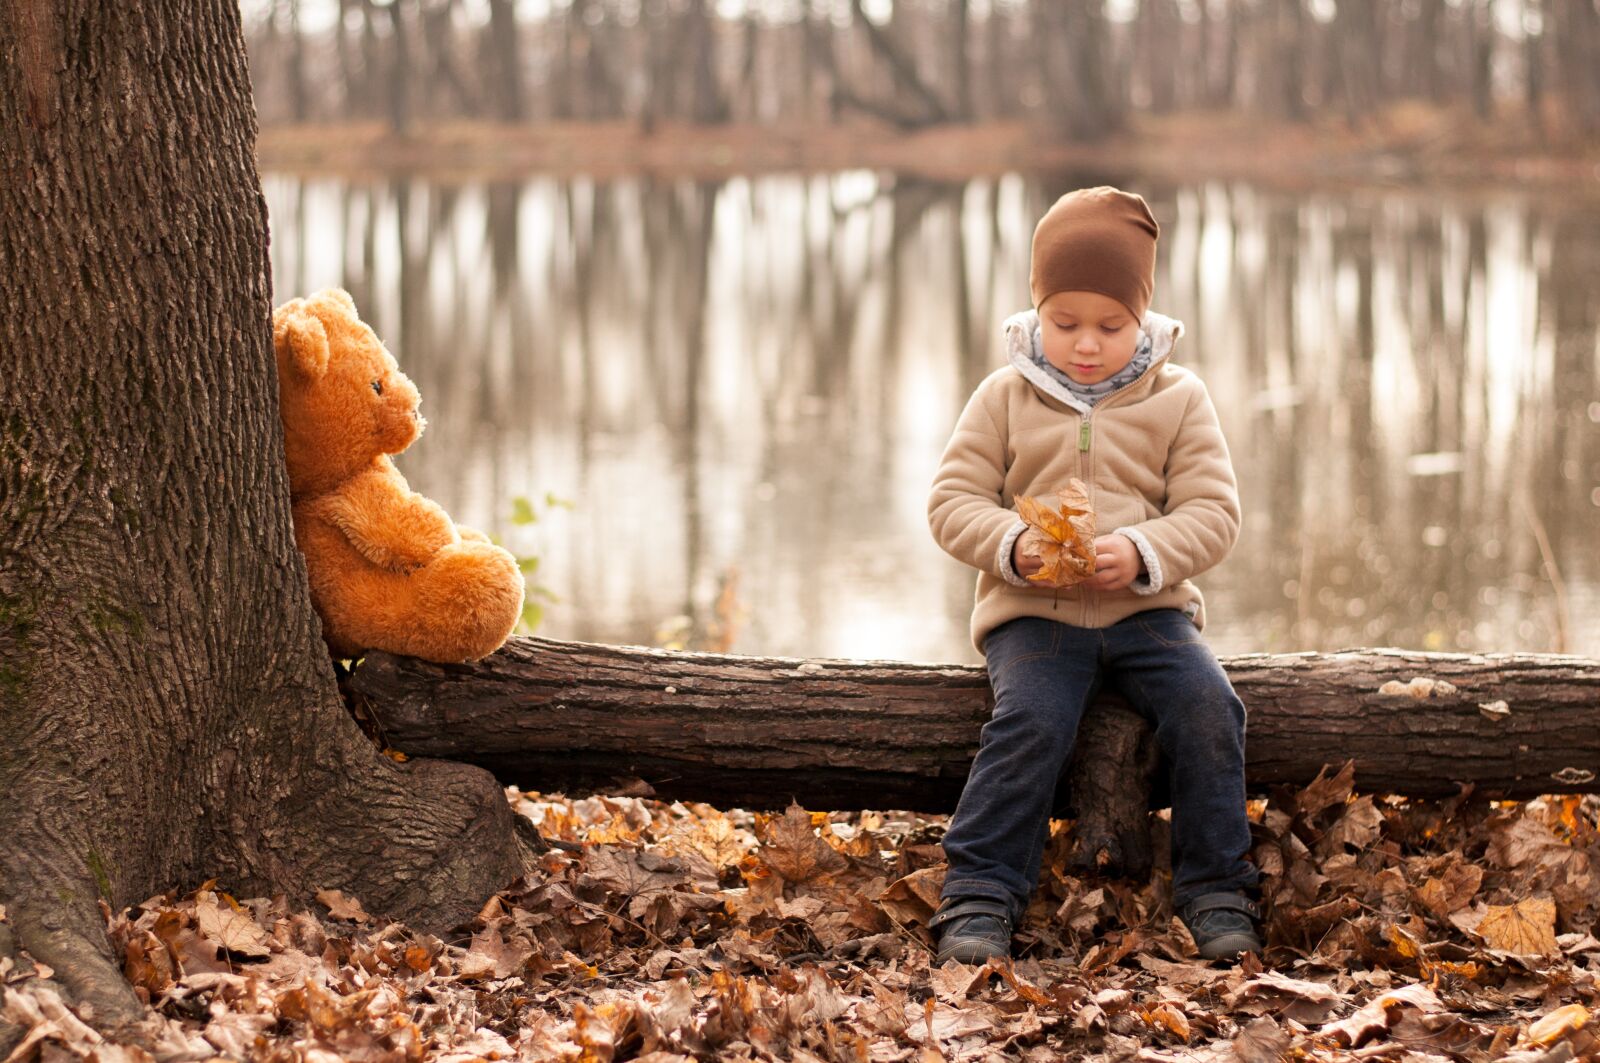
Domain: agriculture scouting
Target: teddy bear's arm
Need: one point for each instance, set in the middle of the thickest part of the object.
(390, 524)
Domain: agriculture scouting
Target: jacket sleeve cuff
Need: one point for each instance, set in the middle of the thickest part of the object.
(1152, 580)
(1002, 557)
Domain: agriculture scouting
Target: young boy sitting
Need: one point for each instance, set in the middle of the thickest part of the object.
(1091, 393)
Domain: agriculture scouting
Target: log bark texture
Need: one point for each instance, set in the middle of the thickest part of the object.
(756, 732)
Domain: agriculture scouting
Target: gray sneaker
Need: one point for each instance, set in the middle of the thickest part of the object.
(1223, 924)
(971, 930)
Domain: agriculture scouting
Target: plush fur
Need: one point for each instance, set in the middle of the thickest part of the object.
(389, 569)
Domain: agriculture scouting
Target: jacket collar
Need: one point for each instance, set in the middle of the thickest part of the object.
(1019, 327)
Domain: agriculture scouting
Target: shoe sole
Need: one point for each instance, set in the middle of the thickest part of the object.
(969, 951)
(1230, 946)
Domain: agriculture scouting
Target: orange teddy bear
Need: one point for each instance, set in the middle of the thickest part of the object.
(388, 568)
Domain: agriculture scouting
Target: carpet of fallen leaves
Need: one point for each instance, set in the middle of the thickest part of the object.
(1397, 930)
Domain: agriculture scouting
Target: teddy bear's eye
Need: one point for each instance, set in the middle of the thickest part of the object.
(377, 385)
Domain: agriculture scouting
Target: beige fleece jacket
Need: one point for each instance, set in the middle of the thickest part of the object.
(1151, 454)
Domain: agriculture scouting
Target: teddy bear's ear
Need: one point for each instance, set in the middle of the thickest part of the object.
(338, 297)
(300, 340)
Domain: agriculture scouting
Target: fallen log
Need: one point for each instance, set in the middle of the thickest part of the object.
(758, 732)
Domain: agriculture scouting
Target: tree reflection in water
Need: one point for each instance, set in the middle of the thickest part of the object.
(757, 376)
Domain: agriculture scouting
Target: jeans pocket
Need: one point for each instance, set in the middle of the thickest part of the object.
(1168, 627)
(998, 665)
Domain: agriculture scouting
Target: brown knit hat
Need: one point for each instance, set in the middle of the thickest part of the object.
(1096, 240)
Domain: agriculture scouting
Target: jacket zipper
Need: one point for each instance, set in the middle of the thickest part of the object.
(1088, 483)
(1086, 457)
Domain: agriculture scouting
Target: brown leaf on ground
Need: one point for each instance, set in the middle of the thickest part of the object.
(341, 906)
(1380, 1014)
(714, 838)
(1169, 1018)
(1527, 928)
(1270, 992)
(1451, 891)
(791, 848)
(632, 874)
(229, 926)
(1327, 790)
(1358, 828)
(1262, 1041)
(1522, 839)
(641, 948)
(492, 956)
(914, 898)
(954, 982)
(1559, 1024)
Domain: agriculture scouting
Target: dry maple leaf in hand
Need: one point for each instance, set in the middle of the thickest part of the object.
(1061, 538)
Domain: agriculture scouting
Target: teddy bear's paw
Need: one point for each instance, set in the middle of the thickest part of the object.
(470, 596)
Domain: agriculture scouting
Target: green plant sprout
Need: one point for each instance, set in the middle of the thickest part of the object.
(525, 511)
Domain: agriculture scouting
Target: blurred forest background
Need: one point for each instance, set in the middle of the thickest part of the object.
(1078, 69)
(722, 274)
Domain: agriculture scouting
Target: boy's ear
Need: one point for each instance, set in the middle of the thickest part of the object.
(300, 340)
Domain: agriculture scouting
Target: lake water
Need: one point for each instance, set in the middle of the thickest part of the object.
(743, 387)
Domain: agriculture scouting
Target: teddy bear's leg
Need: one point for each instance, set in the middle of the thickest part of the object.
(364, 608)
(460, 606)
(470, 535)
(469, 598)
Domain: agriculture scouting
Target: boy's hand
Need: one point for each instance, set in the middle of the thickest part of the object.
(1116, 563)
(1025, 565)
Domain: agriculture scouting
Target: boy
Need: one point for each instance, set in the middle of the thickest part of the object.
(1091, 393)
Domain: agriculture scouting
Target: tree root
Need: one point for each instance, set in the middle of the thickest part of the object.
(71, 942)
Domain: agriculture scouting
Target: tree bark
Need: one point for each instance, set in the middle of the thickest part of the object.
(755, 731)
(154, 730)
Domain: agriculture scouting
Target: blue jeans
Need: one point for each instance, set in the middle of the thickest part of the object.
(1045, 674)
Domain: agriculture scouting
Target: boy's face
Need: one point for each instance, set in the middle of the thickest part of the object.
(1088, 336)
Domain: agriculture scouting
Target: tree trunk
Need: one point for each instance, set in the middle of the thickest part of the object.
(1578, 49)
(400, 72)
(438, 44)
(167, 710)
(998, 63)
(504, 47)
(1533, 67)
(299, 95)
(1076, 47)
(754, 731)
(1480, 37)
(707, 105)
(907, 81)
(1291, 86)
(959, 19)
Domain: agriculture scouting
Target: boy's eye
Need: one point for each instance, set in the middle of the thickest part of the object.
(1111, 328)
(377, 385)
